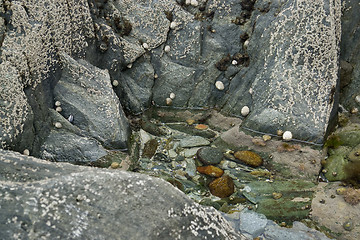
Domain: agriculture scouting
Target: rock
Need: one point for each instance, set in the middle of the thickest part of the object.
(86, 93)
(201, 126)
(210, 155)
(293, 205)
(63, 146)
(190, 152)
(252, 223)
(298, 232)
(193, 141)
(334, 208)
(48, 199)
(350, 61)
(249, 158)
(222, 187)
(210, 170)
(69, 143)
(150, 148)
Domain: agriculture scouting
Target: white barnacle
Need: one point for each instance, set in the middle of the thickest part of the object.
(58, 109)
(26, 152)
(357, 98)
(173, 25)
(115, 83)
(219, 85)
(194, 3)
(168, 101)
(245, 111)
(129, 65)
(57, 125)
(58, 103)
(234, 62)
(287, 136)
(246, 43)
(172, 95)
(167, 48)
(145, 45)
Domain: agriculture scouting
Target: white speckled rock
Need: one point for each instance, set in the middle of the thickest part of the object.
(64, 201)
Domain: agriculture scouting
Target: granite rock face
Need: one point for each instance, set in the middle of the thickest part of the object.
(279, 58)
(349, 56)
(59, 200)
(85, 92)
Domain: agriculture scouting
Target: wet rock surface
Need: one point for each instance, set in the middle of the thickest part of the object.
(59, 200)
(209, 155)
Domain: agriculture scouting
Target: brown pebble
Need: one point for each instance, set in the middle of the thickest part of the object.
(190, 121)
(201, 127)
(114, 165)
(222, 187)
(258, 142)
(210, 171)
(249, 158)
(276, 195)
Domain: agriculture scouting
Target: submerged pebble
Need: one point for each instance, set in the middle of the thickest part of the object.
(249, 158)
(209, 155)
(222, 187)
(210, 171)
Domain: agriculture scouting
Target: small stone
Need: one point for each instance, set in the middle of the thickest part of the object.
(201, 126)
(341, 191)
(232, 165)
(193, 141)
(115, 83)
(222, 187)
(249, 158)
(210, 171)
(167, 48)
(190, 121)
(219, 85)
(168, 101)
(156, 76)
(287, 136)
(234, 62)
(276, 195)
(114, 165)
(58, 125)
(209, 155)
(354, 110)
(172, 95)
(57, 103)
(26, 152)
(348, 225)
(266, 137)
(258, 142)
(58, 109)
(245, 111)
(283, 224)
(279, 132)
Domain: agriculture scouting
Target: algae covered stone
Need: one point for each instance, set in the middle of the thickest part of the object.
(222, 187)
(209, 155)
(249, 158)
(210, 171)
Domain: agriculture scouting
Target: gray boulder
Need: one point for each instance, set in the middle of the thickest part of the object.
(85, 92)
(349, 55)
(293, 69)
(40, 199)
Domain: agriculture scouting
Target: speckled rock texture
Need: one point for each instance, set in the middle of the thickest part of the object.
(85, 92)
(47, 200)
(279, 58)
(350, 55)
